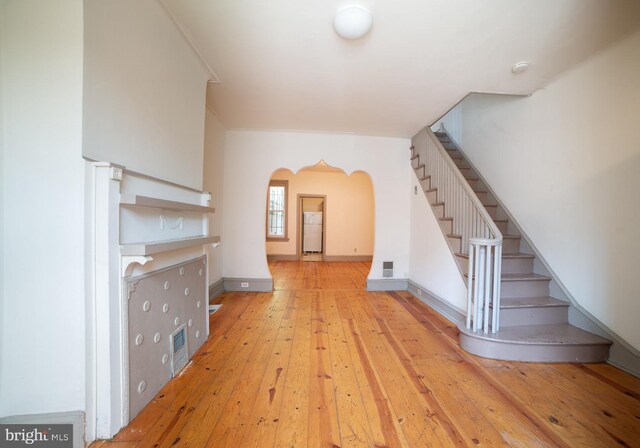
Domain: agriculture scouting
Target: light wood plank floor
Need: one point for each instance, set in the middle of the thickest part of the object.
(322, 363)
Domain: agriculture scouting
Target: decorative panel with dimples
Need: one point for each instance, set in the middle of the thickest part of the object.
(158, 303)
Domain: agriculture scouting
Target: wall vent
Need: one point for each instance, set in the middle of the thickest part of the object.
(178, 349)
(387, 269)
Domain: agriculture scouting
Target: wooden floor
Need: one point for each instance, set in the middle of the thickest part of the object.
(322, 363)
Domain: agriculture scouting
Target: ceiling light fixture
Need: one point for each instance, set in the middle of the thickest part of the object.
(520, 67)
(352, 22)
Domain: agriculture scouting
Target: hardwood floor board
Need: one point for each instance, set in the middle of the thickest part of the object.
(385, 423)
(294, 414)
(323, 429)
(590, 404)
(461, 417)
(420, 423)
(263, 422)
(492, 390)
(354, 415)
(322, 362)
(628, 384)
(232, 424)
(562, 416)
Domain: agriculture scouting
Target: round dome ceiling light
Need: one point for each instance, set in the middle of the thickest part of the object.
(352, 22)
(520, 67)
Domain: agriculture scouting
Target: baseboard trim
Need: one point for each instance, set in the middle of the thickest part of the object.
(348, 258)
(436, 303)
(254, 284)
(387, 284)
(282, 257)
(216, 289)
(75, 418)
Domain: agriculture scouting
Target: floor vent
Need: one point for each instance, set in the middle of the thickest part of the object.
(387, 269)
(179, 351)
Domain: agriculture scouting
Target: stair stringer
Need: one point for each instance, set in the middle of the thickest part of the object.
(447, 296)
(621, 354)
(425, 185)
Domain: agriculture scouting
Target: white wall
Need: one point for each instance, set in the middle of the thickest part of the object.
(144, 97)
(43, 359)
(214, 135)
(349, 220)
(253, 156)
(432, 265)
(566, 163)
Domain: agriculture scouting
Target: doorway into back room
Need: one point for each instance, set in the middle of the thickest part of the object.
(320, 214)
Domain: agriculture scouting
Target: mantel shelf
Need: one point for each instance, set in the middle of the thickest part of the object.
(146, 201)
(165, 246)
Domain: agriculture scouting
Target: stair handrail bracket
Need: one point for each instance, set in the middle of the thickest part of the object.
(480, 237)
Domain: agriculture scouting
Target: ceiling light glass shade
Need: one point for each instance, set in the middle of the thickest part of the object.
(352, 22)
(520, 67)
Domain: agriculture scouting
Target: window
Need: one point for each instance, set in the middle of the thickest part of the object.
(277, 210)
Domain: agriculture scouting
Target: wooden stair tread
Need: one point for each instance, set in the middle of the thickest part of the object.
(518, 255)
(556, 334)
(511, 237)
(520, 277)
(524, 277)
(531, 302)
(508, 255)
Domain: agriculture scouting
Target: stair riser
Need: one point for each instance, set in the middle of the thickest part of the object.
(468, 172)
(453, 152)
(517, 265)
(475, 184)
(509, 265)
(510, 245)
(461, 163)
(438, 210)
(534, 352)
(432, 196)
(524, 288)
(483, 196)
(492, 210)
(455, 244)
(510, 317)
(426, 183)
(446, 226)
(502, 226)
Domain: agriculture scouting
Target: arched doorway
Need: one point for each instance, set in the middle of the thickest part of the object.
(320, 213)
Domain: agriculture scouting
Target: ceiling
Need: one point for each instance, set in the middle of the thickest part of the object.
(281, 66)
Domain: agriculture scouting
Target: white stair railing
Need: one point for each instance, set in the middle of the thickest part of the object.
(481, 238)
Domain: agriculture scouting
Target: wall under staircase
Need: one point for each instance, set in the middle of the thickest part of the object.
(534, 325)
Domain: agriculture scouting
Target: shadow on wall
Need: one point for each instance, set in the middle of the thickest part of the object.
(340, 219)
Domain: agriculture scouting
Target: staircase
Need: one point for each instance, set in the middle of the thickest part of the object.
(533, 326)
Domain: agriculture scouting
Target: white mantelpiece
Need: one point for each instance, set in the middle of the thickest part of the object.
(138, 225)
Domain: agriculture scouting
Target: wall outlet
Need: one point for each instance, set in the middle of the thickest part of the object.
(244, 285)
